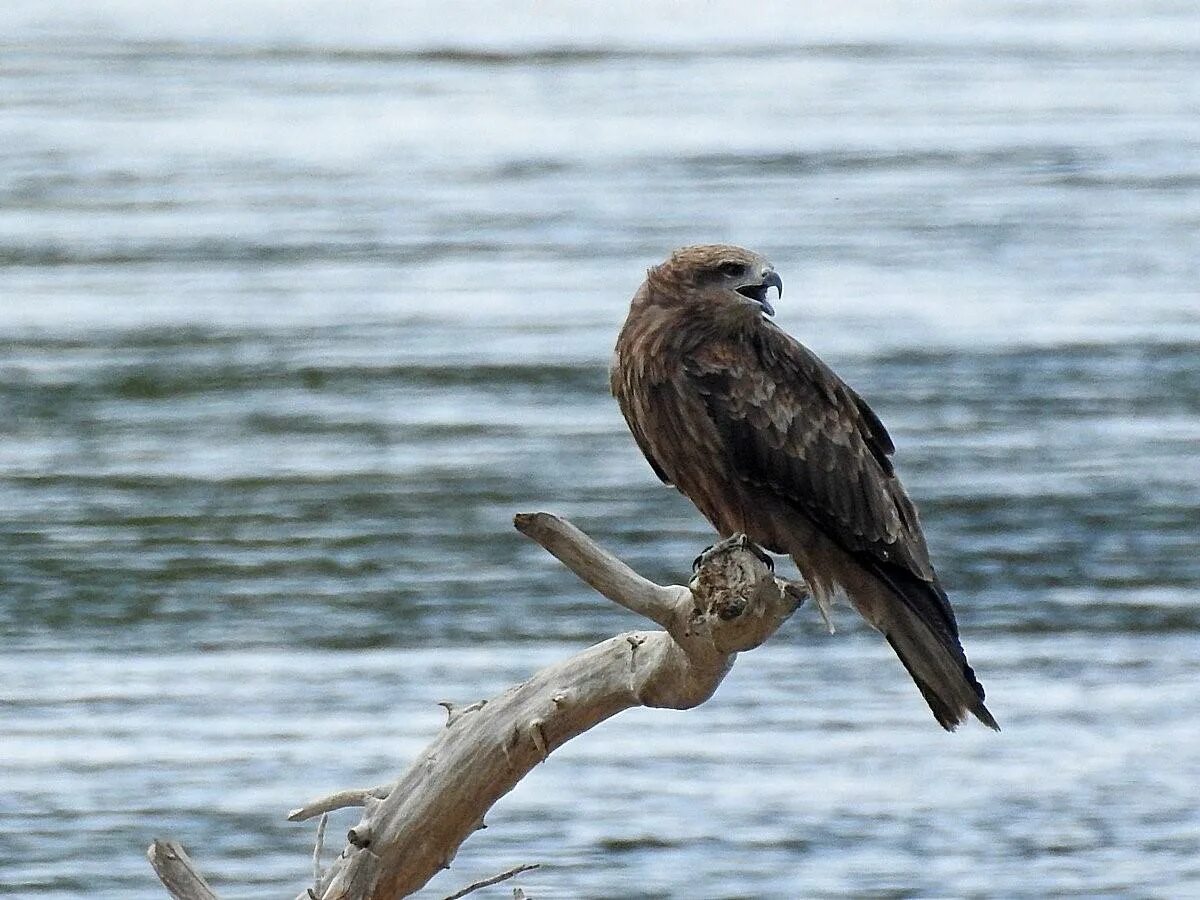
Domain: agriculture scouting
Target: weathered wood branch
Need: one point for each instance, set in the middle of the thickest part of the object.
(413, 827)
(178, 873)
(495, 879)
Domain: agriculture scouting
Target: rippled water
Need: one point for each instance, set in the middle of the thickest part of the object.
(298, 307)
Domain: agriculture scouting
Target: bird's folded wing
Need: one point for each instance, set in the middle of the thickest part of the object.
(790, 425)
(634, 419)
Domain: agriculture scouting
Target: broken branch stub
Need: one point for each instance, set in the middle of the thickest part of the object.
(177, 872)
(413, 827)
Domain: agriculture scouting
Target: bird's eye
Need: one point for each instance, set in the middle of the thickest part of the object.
(732, 269)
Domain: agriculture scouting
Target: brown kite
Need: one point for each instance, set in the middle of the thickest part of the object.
(766, 440)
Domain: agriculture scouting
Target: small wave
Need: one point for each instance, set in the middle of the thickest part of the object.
(564, 54)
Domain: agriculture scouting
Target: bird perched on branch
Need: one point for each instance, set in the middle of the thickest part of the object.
(765, 439)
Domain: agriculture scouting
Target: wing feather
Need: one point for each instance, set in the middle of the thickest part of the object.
(625, 399)
(792, 425)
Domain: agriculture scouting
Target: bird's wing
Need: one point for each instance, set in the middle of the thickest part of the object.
(625, 398)
(790, 425)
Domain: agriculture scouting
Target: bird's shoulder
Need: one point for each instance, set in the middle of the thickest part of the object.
(768, 368)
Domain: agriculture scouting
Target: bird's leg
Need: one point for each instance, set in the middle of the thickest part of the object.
(759, 552)
(736, 542)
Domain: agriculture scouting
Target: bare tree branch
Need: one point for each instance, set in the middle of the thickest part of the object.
(177, 872)
(339, 800)
(495, 879)
(318, 872)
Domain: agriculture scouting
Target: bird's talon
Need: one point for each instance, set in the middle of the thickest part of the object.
(761, 554)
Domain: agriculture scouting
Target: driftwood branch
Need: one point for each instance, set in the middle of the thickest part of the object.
(178, 873)
(488, 882)
(413, 827)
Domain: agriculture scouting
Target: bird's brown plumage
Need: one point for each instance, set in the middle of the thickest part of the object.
(765, 439)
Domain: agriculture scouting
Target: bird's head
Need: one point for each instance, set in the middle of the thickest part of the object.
(722, 274)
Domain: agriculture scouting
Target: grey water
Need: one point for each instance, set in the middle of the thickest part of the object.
(300, 303)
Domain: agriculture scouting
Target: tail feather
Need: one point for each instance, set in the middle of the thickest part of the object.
(920, 627)
(913, 613)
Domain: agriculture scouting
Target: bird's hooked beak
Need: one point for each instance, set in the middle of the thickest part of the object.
(758, 292)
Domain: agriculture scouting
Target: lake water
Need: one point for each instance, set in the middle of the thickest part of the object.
(299, 303)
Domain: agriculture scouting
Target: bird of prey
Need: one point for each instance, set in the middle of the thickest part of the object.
(766, 440)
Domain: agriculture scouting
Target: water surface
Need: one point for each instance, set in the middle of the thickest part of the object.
(296, 310)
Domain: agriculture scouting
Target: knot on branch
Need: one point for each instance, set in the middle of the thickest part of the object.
(738, 596)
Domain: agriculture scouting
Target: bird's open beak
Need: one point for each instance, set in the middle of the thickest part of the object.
(758, 292)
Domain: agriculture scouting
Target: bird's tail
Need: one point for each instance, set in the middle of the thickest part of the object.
(922, 630)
